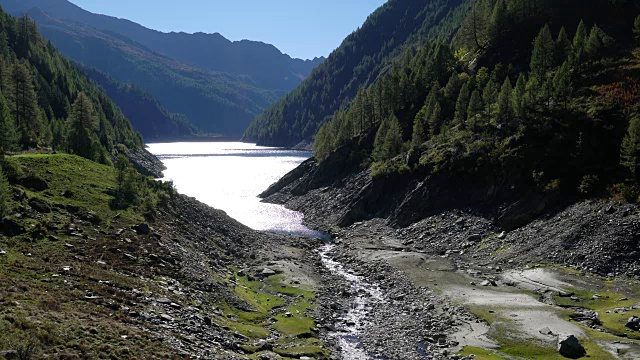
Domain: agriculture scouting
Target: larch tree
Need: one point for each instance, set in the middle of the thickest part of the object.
(23, 102)
(542, 57)
(518, 98)
(563, 47)
(475, 109)
(462, 104)
(505, 102)
(562, 84)
(8, 132)
(83, 123)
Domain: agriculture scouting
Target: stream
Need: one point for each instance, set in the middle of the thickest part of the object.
(348, 331)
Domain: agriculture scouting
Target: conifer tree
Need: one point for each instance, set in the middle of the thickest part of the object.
(475, 109)
(563, 47)
(420, 129)
(8, 132)
(452, 88)
(393, 139)
(490, 96)
(435, 119)
(630, 153)
(562, 84)
(83, 124)
(579, 42)
(519, 93)
(378, 153)
(505, 102)
(22, 100)
(499, 19)
(594, 43)
(542, 57)
(636, 28)
(462, 104)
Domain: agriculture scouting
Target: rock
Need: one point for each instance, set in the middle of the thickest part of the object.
(569, 346)
(163, 301)
(11, 227)
(142, 229)
(474, 238)
(35, 183)
(485, 283)
(10, 354)
(165, 317)
(522, 212)
(266, 272)
(633, 323)
(546, 331)
(40, 206)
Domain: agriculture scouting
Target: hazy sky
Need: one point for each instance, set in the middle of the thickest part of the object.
(300, 28)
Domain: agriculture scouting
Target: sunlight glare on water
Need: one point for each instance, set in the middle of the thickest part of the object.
(230, 175)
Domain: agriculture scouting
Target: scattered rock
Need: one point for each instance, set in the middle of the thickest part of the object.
(569, 346)
(266, 273)
(633, 323)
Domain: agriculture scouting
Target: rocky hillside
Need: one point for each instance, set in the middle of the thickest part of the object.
(173, 279)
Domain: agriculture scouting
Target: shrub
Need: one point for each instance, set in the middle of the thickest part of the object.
(588, 184)
(630, 192)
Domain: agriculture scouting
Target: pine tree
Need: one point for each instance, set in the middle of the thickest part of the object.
(630, 153)
(420, 130)
(378, 153)
(435, 119)
(542, 57)
(83, 124)
(563, 47)
(452, 88)
(518, 98)
(393, 139)
(475, 109)
(594, 44)
(580, 39)
(562, 84)
(22, 100)
(505, 102)
(579, 42)
(8, 132)
(461, 105)
(490, 96)
(499, 19)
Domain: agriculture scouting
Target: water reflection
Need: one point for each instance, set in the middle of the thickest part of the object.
(230, 176)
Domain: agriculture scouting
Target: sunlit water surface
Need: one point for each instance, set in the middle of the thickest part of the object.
(230, 175)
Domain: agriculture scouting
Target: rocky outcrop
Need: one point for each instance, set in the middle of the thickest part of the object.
(146, 163)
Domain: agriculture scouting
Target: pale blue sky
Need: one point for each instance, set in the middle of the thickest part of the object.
(300, 28)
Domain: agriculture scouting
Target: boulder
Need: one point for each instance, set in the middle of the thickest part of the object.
(142, 229)
(40, 206)
(633, 323)
(35, 183)
(570, 347)
(267, 272)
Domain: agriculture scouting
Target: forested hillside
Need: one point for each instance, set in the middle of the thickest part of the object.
(45, 101)
(146, 114)
(219, 85)
(215, 102)
(552, 110)
(264, 63)
(363, 56)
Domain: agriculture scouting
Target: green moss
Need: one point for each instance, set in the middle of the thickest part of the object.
(480, 354)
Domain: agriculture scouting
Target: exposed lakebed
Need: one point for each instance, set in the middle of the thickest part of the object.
(229, 176)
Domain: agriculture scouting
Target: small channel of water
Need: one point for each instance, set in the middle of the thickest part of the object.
(348, 331)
